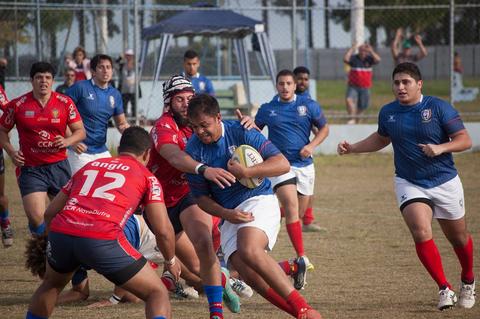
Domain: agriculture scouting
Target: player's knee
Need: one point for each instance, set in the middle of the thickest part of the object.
(249, 252)
(203, 245)
(421, 234)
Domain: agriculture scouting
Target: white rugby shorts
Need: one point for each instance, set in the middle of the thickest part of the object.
(266, 211)
(305, 178)
(148, 243)
(77, 161)
(446, 200)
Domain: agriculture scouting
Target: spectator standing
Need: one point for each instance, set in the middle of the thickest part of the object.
(69, 75)
(5, 226)
(81, 64)
(191, 64)
(405, 54)
(359, 79)
(127, 81)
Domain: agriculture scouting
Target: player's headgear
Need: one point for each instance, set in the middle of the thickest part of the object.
(175, 84)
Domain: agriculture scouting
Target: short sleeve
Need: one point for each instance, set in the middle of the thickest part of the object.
(118, 103)
(318, 117)
(3, 99)
(260, 118)
(382, 129)
(74, 92)
(8, 117)
(198, 184)
(162, 134)
(260, 143)
(154, 192)
(449, 118)
(68, 187)
(73, 114)
(210, 89)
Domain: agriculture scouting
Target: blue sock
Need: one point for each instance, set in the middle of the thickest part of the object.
(32, 316)
(39, 230)
(160, 317)
(4, 216)
(214, 296)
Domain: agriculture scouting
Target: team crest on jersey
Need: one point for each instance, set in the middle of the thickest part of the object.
(302, 110)
(426, 115)
(112, 101)
(231, 149)
(55, 114)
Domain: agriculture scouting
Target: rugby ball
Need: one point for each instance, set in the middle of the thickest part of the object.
(248, 157)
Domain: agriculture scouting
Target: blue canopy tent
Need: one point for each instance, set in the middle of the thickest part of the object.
(222, 23)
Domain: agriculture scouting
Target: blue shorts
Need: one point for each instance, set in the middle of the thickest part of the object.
(45, 178)
(116, 259)
(360, 95)
(175, 211)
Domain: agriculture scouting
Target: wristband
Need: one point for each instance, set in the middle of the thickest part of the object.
(200, 169)
(170, 262)
(114, 299)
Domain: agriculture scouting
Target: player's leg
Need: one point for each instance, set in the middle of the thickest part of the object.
(351, 102)
(45, 297)
(146, 285)
(286, 191)
(198, 226)
(363, 101)
(80, 288)
(251, 243)
(34, 205)
(5, 226)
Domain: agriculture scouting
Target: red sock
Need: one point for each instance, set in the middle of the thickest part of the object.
(282, 212)
(287, 267)
(430, 257)
(296, 300)
(308, 216)
(224, 279)
(294, 231)
(168, 283)
(276, 300)
(465, 256)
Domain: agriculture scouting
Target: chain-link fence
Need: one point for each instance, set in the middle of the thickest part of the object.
(50, 30)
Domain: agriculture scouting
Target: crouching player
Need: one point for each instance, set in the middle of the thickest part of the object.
(85, 222)
(251, 216)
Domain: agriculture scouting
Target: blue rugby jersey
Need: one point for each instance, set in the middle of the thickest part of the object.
(289, 125)
(217, 155)
(201, 84)
(132, 232)
(96, 106)
(431, 121)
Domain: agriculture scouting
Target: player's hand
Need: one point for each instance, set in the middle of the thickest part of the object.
(17, 158)
(344, 148)
(306, 151)
(418, 38)
(247, 122)
(79, 148)
(219, 176)
(61, 142)
(239, 217)
(236, 169)
(431, 150)
(174, 269)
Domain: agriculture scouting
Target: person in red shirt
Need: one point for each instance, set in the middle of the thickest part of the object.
(359, 79)
(5, 226)
(42, 117)
(86, 220)
(169, 163)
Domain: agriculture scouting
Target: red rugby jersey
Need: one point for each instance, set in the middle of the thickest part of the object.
(174, 182)
(37, 126)
(3, 99)
(103, 195)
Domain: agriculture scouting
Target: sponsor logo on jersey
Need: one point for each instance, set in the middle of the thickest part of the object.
(403, 197)
(21, 101)
(72, 201)
(62, 98)
(44, 135)
(90, 97)
(426, 115)
(302, 110)
(72, 114)
(112, 101)
(175, 138)
(156, 189)
(29, 114)
(391, 118)
(272, 113)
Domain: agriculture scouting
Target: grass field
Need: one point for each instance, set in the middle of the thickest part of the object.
(331, 95)
(366, 266)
